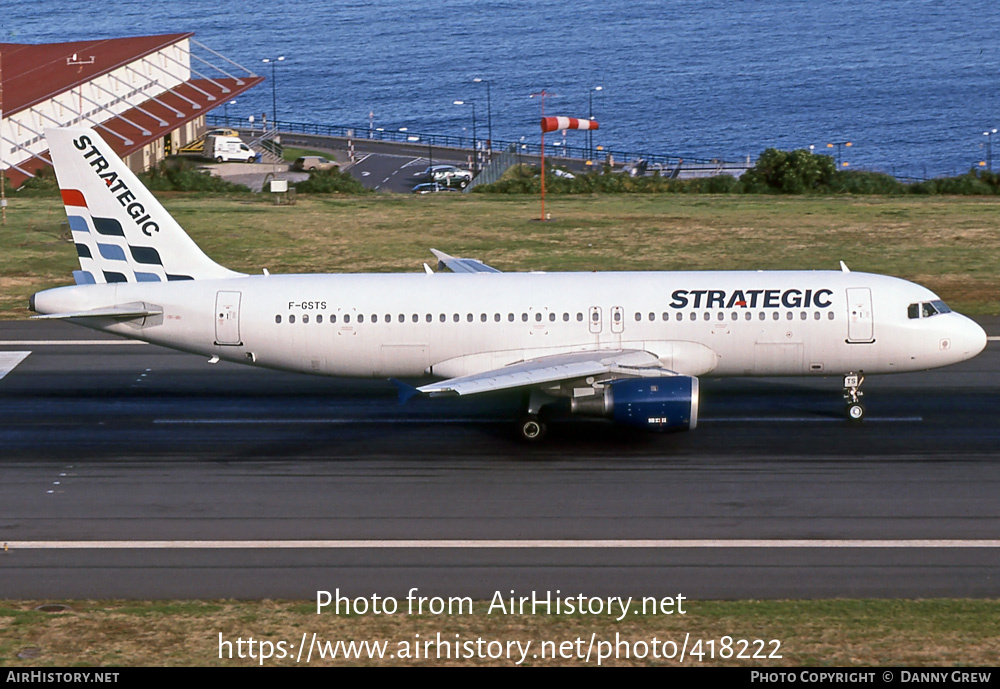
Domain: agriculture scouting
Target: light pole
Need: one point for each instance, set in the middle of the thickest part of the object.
(989, 148)
(489, 114)
(838, 144)
(274, 88)
(474, 151)
(590, 133)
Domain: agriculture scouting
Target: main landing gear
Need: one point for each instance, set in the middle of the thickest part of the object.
(853, 395)
(532, 426)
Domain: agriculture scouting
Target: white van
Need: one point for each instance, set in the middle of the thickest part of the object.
(226, 148)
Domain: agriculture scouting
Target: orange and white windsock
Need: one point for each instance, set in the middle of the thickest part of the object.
(553, 124)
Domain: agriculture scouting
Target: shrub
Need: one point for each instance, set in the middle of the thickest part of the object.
(180, 174)
(331, 181)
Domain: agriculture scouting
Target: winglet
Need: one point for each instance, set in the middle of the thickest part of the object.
(844, 268)
(406, 391)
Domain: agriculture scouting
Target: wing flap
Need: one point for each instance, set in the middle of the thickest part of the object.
(550, 369)
(462, 265)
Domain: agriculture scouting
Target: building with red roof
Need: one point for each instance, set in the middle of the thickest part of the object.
(147, 96)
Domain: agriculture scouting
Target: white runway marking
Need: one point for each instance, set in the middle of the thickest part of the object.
(74, 343)
(463, 544)
(809, 419)
(9, 360)
(734, 419)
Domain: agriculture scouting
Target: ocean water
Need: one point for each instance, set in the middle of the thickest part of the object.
(911, 83)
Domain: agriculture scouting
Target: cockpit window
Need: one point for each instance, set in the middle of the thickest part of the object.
(941, 306)
(927, 309)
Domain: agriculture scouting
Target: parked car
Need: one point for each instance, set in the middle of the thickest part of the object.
(431, 188)
(448, 174)
(313, 163)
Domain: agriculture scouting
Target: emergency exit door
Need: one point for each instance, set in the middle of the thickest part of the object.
(860, 323)
(227, 318)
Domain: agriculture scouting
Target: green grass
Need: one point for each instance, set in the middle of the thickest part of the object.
(833, 633)
(949, 244)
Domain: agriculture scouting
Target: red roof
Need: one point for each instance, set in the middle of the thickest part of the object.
(35, 73)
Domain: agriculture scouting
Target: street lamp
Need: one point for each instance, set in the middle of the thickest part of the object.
(989, 148)
(590, 132)
(489, 114)
(274, 89)
(838, 144)
(473, 104)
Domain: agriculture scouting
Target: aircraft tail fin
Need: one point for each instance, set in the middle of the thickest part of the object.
(121, 231)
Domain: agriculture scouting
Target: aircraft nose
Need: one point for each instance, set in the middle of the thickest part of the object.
(969, 339)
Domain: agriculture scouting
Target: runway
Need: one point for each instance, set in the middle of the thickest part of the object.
(133, 471)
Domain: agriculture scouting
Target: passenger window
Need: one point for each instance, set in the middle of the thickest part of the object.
(789, 316)
(638, 316)
(652, 316)
(442, 318)
(749, 315)
(721, 316)
(618, 316)
(429, 318)
(319, 318)
(830, 316)
(482, 317)
(402, 318)
(374, 318)
(455, 318)
(776, 315)
(291, 319)
(333, 318)
(761, 316)
(666, 316)
(415, 318)
(552, 317)
(579, 317)
(510, 318)
(802, 316)
(305, 318)
(361, 318)
(524, 318)
(708, 316)
(565, 318)
(680, 316)
(277, 319)
(496, 317)
(816, 316)
(538, 318)
(735, 315)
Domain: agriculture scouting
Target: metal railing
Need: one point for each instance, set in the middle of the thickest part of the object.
(553, 149)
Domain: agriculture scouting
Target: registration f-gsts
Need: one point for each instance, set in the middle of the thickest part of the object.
(624, 345)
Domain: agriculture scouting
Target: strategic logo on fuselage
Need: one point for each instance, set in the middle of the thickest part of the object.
(751, 298)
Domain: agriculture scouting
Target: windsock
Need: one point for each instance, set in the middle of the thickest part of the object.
(552, 124)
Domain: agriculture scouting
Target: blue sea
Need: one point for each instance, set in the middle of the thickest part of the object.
(911, 83)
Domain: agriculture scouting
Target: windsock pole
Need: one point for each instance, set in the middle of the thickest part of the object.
(552, 124)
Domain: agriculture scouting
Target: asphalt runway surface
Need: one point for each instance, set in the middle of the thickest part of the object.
(130, 471)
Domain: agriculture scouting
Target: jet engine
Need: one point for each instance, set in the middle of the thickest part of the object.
(656, 404)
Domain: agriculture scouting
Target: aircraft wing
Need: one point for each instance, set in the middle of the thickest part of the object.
(462, 265)
(620, 363)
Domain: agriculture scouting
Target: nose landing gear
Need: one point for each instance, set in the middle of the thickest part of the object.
(853, 395)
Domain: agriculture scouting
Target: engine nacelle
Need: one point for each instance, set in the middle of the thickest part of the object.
(656, 404)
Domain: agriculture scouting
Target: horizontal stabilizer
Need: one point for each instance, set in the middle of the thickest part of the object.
(123, 312)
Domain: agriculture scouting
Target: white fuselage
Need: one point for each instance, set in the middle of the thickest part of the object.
(697, 323)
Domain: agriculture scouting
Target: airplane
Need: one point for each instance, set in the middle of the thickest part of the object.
(629, 346)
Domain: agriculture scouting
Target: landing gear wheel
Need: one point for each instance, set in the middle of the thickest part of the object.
(531, 428)
(855, 412)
